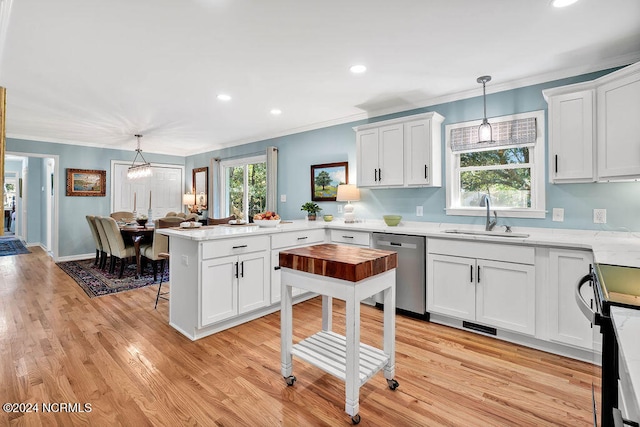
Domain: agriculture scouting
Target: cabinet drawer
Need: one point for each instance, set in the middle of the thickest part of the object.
(236, 246)
(360, 238)
(305, 237)
(492, 251)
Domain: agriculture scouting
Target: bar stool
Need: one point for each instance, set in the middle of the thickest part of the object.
(165, 257)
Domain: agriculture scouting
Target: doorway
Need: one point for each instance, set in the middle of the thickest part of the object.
(36, 199)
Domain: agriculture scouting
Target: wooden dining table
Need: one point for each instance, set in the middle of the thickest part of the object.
(137, 234)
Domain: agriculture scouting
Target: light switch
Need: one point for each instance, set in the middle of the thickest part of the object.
(283, 198)
(419, 211)
(599, 216)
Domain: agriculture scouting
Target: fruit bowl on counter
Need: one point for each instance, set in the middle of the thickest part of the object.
(266, 219)
(392, 220)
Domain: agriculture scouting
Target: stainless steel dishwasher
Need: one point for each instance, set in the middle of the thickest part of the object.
(410, 275)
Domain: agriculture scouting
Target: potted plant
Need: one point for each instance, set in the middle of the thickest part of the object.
(312, 210)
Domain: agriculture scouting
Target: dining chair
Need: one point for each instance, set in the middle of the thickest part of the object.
(106, 249)
(91, 219)
(169, 221)
(119, 249)
(152, 251)
(191, 217)
(171, 213)
(122, 216)
(220, 221)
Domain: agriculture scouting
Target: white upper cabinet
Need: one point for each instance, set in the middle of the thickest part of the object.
(422, 148)
(400, 152)
(380, 156)
(618, 125)
(594, 131)
(571, 134)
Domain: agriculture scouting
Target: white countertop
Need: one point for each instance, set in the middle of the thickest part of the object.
(609, 247)
(627, 325)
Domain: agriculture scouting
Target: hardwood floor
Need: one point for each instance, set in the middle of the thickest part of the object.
(119, 355)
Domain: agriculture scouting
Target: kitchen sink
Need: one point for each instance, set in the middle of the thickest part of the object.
(488, 233)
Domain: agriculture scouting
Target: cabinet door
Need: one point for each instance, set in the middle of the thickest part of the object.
(418, 160)
(253, 289)
(391, 155)
(367, 153)
(219, 299)
(571, 134)
(451, 286)
(506, 296)
(619, 128)
(567, 324)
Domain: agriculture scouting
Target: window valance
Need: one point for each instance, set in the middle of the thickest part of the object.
(506, 134)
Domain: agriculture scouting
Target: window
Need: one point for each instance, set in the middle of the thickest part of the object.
(510, 171)
(244, 186)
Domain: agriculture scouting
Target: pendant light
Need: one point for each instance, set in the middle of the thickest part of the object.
(484, 131)
(139, 171)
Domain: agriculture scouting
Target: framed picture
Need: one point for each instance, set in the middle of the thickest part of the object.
(86, 182)
(325, 179)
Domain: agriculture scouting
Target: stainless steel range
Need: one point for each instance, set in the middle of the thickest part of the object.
(612, 286)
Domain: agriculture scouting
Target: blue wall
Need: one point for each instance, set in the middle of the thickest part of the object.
(74, 237)
(337, 143)
(299, 151)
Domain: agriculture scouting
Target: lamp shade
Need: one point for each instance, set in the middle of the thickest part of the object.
(347, 193)
(189, 199)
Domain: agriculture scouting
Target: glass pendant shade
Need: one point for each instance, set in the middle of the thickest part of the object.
(485, 133)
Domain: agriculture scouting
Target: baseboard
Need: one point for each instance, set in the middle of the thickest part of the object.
(75, 257)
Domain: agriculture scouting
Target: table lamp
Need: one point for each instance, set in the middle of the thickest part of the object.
(348, 193)
(189, 200)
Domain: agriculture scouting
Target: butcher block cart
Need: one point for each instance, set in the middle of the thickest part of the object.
(351, 274)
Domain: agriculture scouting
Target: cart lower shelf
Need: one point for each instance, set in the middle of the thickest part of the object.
(327, 351)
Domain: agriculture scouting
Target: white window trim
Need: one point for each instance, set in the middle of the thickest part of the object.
(235, 162)
(538, 198)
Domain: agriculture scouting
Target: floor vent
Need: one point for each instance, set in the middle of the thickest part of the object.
(479, 328)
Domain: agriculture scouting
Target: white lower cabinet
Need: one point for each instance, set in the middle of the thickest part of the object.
(232, 285)
(567, 324)
(491, 284)
(290, 240)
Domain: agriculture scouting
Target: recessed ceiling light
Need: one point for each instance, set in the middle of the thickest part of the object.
(224, 97)
(562, 3)
(358, 69)
(276, 111)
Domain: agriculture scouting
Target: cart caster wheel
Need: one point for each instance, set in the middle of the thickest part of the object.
(393, 384)
(290, 380)
(356, 419)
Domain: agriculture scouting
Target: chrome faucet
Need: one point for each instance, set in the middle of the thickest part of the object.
(484, 201)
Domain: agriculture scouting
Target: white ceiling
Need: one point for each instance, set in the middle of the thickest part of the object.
(95, 72)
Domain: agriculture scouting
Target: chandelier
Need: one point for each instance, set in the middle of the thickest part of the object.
(142, 170)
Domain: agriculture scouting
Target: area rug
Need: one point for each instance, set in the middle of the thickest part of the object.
(12, 247)
(96, 282)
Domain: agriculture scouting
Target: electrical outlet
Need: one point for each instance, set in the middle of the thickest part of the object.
(419, 211)
(185, 260)
(283, 198)
(558, 214)
(339, 208)
(599, 216)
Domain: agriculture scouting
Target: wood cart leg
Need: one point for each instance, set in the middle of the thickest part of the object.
(327, 313)
(352, 378)
(286, 333)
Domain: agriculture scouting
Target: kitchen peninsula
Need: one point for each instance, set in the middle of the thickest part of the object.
(227, 275)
